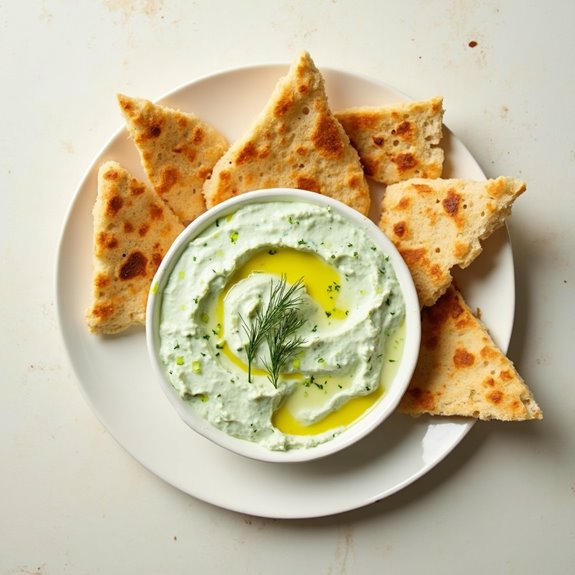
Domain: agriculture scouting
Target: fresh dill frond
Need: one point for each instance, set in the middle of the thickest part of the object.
(282, 301)
(282, 344)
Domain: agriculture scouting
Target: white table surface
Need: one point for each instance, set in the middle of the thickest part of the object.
(71, 499)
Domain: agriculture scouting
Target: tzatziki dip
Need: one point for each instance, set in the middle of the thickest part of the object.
(281, 324)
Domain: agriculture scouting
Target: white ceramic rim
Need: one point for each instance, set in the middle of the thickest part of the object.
(375, 415)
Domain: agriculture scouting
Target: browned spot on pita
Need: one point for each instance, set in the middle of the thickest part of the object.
(355, 181)
(168, 179)
(451, 203)
(137, 190)
(114, 205)
(446, 307)
(378, 140)
(283, 105)
(156, 260)
(246, 154)
(460, 250)
(134, 266)
(404, 129)
(399, 229)
(143, 230)
(495, 396)
(112, 243)
(111, 174)
(462, 358)
(199, 135)
(102, 281)
(404, 203)
(156, 212)
(488, 352)
(154, 131)
(128, 227)
(413, 256)
(301, 150)
(506, 375)
(103, 311)
(327, 137)
(435, 271)
(422, 397)
(309, 184)
(405, 162)
(423, 188)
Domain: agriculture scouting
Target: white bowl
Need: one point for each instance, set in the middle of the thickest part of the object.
(395, 389)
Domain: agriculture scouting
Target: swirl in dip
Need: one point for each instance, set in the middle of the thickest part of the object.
(352, 335)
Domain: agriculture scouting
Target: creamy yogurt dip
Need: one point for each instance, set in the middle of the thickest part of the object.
(352, 336)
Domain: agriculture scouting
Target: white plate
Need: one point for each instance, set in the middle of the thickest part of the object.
(116, 377)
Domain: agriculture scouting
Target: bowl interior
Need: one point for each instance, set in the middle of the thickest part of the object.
(358, 429)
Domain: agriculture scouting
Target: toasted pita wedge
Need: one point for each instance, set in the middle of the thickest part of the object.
(178, 152)
(133, 229)
(397, 142)
(437, 224)
(462, 372)
(296, 142)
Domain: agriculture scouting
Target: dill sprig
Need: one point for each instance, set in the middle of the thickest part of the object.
(275, 324)
(282, 344)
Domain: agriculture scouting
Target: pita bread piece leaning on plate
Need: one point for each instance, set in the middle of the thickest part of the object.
(133, 229)
(296, 142)
(177, 150)
(437, 224)
(460, 370)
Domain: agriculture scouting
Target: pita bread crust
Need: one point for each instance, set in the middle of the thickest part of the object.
(178, 152)
(461, 372)
(133, 229)
(397, 142)
(437, 224)
(296, 142)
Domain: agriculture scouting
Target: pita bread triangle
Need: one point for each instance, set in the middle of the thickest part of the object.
(461, 372)
(296, 142)
(439, 223)
(399, 141)
(178, 152)
(133, 229)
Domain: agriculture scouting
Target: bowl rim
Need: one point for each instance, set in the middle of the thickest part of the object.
(360, 428)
